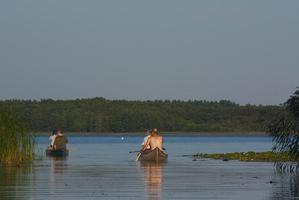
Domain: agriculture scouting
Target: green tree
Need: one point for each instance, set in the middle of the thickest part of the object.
(284, 130)
(102, 115)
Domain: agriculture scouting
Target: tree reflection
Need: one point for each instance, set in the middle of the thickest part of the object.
(153, 178)
(286, 187)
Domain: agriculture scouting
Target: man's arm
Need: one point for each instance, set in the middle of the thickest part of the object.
(145, 139)
(146, 144)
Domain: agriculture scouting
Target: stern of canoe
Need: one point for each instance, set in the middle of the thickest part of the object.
(155, 155)
(57, 153)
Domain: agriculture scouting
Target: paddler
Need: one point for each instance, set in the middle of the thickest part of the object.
(52, 138)
(145, 139)
(154, 141)
(60, 141)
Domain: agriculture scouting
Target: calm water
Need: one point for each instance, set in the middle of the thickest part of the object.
(102, 168)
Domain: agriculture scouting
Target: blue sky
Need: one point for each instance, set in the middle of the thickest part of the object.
(243, 51)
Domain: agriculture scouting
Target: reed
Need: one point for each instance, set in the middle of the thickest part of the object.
(16, 144)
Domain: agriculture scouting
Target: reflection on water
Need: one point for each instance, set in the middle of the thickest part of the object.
(57, 167)
(286, 186)
(103, 169)
(14, 178)
(153, 179)
(294, 184)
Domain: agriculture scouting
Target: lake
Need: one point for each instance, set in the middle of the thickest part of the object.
(102, 168)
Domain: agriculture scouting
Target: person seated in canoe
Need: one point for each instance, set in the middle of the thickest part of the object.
(52, 138)
(60, 141)
(148, 134)
(154, 141)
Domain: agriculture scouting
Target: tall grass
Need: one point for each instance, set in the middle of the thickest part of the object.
(16, 144)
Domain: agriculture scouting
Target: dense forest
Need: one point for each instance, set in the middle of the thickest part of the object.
(102, 115)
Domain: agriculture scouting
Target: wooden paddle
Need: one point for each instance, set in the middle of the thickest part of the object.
(140, 150)
(137, 157)
(134, 151)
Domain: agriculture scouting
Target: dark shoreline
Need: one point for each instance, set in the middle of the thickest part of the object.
(179, 134)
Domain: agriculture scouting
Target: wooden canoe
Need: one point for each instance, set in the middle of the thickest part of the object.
(57, 153)
(156, 155)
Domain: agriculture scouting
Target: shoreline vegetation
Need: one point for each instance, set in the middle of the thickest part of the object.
(16, 144)
(122, 116)
(208, 134)
(251, 156)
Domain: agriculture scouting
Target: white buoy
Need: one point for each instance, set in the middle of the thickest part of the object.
(122, 138)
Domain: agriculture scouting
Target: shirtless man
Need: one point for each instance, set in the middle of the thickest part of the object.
(154, 141)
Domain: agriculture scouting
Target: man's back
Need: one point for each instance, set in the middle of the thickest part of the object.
(156, 141)
(60, 142)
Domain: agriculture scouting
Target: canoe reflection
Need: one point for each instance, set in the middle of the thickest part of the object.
(153, 178)
(57, 167)
(58, 164)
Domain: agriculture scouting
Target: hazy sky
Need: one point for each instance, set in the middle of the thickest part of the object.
(245, 51)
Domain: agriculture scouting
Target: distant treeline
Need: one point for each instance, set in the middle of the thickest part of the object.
(102, 115)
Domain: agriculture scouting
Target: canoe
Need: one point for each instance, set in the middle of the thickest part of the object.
(57, 153)
(156, 155)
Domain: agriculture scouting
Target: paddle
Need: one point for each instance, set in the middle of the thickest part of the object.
(134, 151)
(137, 157)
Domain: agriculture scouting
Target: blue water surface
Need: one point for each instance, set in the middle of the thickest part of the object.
(102, 167)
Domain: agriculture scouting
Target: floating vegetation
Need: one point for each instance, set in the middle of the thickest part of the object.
(16, 145)
(267, 156)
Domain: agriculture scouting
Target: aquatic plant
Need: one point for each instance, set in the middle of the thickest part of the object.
(250, 156)
(16, 144)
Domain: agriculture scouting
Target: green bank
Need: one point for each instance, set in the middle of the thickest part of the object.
(101, 115)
